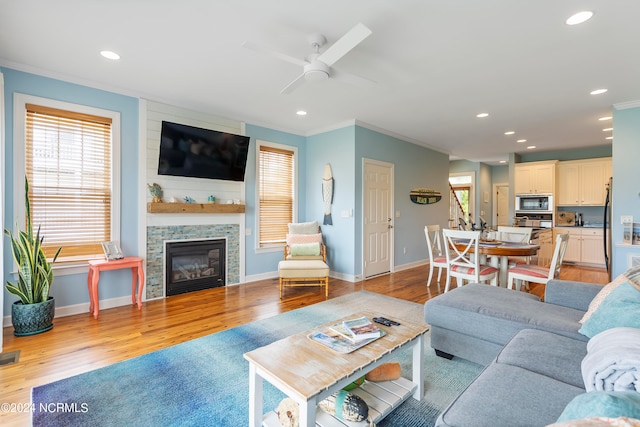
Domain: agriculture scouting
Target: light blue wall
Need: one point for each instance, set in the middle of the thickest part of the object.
(564, 155)
(626, 185)
(72, 289)
(257, 263)
(499, 174)
(337, 149)
(415, 166)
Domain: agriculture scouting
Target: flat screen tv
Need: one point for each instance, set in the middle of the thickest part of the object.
(202, 153)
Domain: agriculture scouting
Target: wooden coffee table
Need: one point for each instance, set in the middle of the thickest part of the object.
(308, 372)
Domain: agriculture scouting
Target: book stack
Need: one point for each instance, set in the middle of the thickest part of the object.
(356, 330)
(345, 337)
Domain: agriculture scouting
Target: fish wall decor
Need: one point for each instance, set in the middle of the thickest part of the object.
(327, 193)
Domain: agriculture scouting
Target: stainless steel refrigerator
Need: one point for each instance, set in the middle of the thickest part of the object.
(606, 225)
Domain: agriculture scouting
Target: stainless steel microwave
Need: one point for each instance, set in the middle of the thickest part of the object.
(534, 203)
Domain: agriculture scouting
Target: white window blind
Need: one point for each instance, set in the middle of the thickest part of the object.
(68, 158)
(276, 179)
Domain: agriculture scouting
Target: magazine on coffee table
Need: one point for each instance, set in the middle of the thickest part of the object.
(336, 342)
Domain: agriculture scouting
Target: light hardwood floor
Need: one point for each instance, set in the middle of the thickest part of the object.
(81, 343)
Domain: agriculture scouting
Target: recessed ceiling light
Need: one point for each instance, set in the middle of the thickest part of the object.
(301, 113)
(607, 129)
(110, 55)
(509, 132)
(605, 118)
(579, 18)
(531, 147)
(597, 91)
(521, 140)
(502, 161)
(481, 115)
(609, 137)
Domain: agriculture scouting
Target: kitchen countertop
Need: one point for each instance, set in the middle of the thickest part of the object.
(591, 225)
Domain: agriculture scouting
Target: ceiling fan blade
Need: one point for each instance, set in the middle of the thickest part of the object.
(282, 56)
(293, 85)
(352, 79)
(345, 44)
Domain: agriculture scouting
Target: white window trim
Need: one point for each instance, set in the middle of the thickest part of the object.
(19, 126)
(260, 143)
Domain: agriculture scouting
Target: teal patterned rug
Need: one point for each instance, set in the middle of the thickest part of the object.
(206, 381)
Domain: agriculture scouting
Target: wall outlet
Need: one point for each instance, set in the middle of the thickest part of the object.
(404, 251)
(247, 232)
(626, 219)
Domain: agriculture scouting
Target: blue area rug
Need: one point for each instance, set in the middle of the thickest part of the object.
(206, 381)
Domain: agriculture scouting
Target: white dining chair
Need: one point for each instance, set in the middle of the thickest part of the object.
(517, 235)
(464, 264)
(514, 234)
(538, 274)
(437, 258)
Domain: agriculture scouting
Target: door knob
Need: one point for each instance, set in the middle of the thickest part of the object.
(389, 226)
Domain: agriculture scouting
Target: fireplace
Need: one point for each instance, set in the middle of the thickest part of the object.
(193, 265)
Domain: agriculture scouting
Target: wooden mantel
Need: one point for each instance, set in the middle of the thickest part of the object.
(194, 208)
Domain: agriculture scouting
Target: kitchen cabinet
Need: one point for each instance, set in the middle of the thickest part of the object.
(586, 245)
(535, 177)
(583, 182)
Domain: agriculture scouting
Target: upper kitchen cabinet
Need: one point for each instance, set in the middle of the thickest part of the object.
(583, 182)
(535, 177)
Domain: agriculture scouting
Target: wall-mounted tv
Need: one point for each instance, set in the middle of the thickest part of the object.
(202, 153)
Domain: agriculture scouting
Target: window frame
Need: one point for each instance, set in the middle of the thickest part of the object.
(19, 135)
(260, 143)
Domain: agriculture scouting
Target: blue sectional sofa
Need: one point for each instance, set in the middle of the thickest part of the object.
(532, 351)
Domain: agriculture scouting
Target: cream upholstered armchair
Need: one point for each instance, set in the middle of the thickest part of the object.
(305, 258)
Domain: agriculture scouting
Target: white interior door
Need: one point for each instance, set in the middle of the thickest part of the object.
(502, 205)
(377, 217)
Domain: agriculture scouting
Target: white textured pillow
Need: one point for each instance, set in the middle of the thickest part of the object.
(303, 227)
(632, 276)
(295, 239)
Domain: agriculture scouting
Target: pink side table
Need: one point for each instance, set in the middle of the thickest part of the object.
(96, 266)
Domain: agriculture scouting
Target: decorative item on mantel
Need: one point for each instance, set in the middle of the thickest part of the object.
(211, 199)
(156, 192)
(424, 196)
(188, 199)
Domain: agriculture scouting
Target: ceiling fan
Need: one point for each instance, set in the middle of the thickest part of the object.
(318, 66)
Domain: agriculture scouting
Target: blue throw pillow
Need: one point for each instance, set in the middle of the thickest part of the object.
(608, 404)
(619, 309)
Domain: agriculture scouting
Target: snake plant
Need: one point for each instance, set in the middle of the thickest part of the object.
(35, 273)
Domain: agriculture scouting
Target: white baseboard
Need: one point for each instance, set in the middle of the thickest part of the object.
(411, 265)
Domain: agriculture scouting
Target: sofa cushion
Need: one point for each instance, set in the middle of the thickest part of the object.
(506, 395)
(599, 422)
(547, 354)
(305, 249)
(497, 314)
(632, 275)
(310, 227)
(619, 309)
(610, 404)
(293, 239)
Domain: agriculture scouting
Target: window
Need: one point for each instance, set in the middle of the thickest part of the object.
(68, 154)
(276, 192)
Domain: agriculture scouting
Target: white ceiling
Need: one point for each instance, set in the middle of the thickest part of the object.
(437, 63)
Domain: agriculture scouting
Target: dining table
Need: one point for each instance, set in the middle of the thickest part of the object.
(499, 252)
